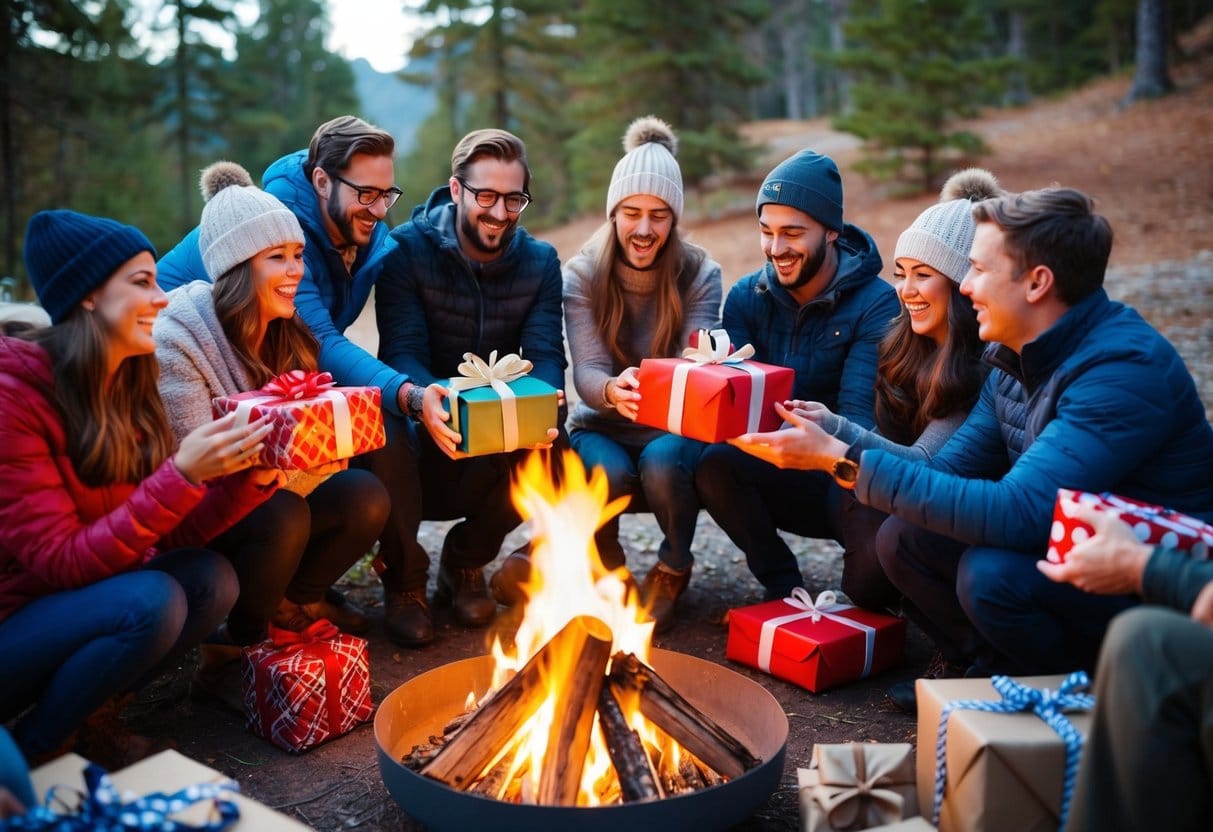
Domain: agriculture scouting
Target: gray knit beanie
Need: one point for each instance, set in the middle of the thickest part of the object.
(808, 182)
(648, 166)
(240, 220)
(943, 234)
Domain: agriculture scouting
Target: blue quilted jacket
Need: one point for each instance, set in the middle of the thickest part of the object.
(1099, 402)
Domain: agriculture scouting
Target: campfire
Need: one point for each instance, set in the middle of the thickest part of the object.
(575, 711)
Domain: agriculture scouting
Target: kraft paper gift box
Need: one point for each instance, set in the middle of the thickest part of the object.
(1004, 772)
(495, 407)
(853, 786)
(1151, 524)
(167, 772)
(816, 644)
(301, 689)
(918, 824)
(313, 421)
(711, 394)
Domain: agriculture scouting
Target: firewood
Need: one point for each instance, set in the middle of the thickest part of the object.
(576, 700)
(687, 725)
(636, 779)
(496, 722)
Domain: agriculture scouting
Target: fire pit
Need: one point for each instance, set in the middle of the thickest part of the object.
(422, 706)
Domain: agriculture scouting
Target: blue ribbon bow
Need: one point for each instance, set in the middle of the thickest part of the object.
(102, 809)
(1047, 704)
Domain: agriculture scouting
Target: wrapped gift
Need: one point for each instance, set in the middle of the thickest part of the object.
(1152, 524)
(815, 643)
(712, 394)
(997, 754)
(856, 785)
(301, 689)
(496, 407)
(313, 421)
(917, 824)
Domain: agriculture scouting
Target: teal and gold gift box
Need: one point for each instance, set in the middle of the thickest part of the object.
(496, 407)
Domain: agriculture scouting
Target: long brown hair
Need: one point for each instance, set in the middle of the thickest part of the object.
(918, 381)
(116, 432)
(675, 269)
(288, 343)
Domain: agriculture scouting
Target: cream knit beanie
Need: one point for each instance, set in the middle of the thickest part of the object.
(943, 234)
(240, 220)
(648, 166)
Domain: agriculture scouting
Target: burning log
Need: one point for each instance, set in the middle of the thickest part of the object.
(494, 725)
(636, 780)
(688, 726)
(576, 700)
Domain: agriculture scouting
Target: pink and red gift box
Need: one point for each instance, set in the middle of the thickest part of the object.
(1151, 524)
(313, 421)
(301, 689)
(816, 645)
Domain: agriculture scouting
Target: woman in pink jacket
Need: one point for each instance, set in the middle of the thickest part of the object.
(102, 577)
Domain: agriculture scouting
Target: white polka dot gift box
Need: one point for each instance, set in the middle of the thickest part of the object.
(1152, 524)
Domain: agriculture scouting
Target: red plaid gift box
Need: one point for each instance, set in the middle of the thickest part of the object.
(1151, 524)
(711, 394)
(301, 689)
(816, 644)
(313, 421)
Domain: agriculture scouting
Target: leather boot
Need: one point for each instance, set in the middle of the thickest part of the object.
(104, 739)
(507, 581)
(343, 612)
(660, 592)
(407, 617)
(217, 677)
(464, 589)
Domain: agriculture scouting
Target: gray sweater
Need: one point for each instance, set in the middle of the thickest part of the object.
(593, 363)
(932, 438)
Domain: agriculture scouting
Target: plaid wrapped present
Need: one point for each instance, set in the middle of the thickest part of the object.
(301, 689)
(1151, 524)
(313, 421)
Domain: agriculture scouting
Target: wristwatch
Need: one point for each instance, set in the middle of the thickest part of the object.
(845, 469)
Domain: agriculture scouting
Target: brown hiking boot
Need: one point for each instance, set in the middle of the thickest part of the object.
(104, 739)
(507, 581)
(463, 588)
(660, 592)
(407, 617)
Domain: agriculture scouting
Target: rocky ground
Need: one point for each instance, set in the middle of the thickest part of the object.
(1150, 167)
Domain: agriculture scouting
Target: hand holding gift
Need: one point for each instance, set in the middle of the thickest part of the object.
(623, 393)
(1110, 562)
(495, 407)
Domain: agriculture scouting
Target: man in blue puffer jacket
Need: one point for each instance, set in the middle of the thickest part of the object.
(1084, 394)
(462, 276)
(819, 307)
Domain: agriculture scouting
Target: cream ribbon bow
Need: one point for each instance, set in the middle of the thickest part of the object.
(713, 348)
(475, 372)
(861, 785)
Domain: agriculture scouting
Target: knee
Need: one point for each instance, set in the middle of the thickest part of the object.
(984, 581)
(364, 501)
(889, 545)
(155, 606)
(285, 525)
(715, 472)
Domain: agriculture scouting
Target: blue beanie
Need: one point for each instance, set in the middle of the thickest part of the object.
(808, 182)
(68, 255)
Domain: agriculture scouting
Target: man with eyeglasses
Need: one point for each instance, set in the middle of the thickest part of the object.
(340, 188)
(462, 276)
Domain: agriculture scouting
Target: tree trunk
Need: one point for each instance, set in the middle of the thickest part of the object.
(1151, 78)
(1017, 86)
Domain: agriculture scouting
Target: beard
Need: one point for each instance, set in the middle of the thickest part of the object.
(809, 268)
(345, 226)
(471, 233)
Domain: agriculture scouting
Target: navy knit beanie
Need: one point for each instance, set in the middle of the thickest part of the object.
(68, 255)
(808, 182)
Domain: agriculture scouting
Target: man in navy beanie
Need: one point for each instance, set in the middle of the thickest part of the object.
(818, 306)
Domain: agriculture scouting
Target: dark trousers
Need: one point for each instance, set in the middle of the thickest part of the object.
(991, 608)
(1148, 763)
(863, 578)
(752, 500)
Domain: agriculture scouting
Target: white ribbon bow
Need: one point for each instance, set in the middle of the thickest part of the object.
(475, 372)
(712, 347)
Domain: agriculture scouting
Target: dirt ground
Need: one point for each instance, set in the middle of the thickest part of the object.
(1151, 168)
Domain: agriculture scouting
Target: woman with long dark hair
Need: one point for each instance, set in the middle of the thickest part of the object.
(103, 514)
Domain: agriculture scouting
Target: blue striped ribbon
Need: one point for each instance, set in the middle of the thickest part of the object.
(102, 809)
(1047, 704)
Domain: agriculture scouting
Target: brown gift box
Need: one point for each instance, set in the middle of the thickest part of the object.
(1004, 771)
(853, 786)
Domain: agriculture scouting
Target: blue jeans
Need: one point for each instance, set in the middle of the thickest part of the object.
(68, 652)
(752, 500)
(659, 475)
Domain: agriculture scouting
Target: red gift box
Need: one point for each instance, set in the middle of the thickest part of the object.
(313, 421)
(1151, 524)
(816, 644)
(712, 394)
(301, 689)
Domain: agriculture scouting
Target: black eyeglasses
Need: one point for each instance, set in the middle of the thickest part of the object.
(486, 198)
(369, 196)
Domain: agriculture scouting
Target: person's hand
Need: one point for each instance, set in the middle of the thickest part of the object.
(10, 806)
(267, 478)
(623, 393)
(1202, 609)
(221, 447)
(813, 411)
(327, 469)
(435, 417)
(1109, 562)
(803, 445)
